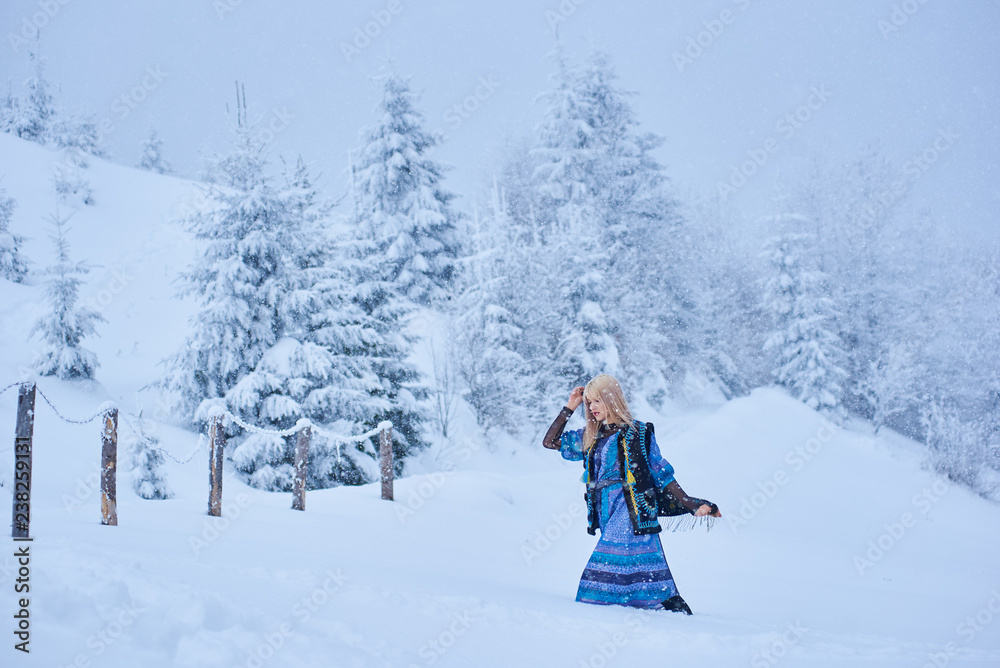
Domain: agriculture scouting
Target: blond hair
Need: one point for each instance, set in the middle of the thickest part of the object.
(610, 392)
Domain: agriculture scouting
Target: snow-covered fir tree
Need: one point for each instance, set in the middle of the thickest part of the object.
(277, 337)
(79, 138)
(571, 216)
(66, 324)
(146, 460)
(403, 215)
(13, 264)
(240, 282)
(404, 244)
(10, 111)
(71, 186)
(32, 116)
(500, 384)
(959, 445)
(893, 384)
(321, 368)
(151, 155)
(808, 352)
(727, 333)
(641, 235)
(606, 220)
(859, 244)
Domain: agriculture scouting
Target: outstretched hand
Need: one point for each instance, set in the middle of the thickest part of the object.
(575, 397)
(705, 509)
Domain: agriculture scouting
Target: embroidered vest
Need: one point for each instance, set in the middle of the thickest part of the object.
(632, 446)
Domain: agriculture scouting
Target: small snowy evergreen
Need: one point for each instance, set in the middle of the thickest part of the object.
(13, 264)
(32, 116)
(893, 383)
(63, 328)
(151, 155)
(146, 460)
(71, 186)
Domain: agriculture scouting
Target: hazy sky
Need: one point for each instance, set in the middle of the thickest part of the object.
(718, 79)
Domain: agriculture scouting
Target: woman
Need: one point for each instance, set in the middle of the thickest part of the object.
(628, 566)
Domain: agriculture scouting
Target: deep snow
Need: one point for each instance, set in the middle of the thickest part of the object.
(476, 563)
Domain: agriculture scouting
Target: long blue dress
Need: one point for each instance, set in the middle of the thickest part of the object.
(624, 569)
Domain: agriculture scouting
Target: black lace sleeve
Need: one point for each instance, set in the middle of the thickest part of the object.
(554, 434)
(673, 500)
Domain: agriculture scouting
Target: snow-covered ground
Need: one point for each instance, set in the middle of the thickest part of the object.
(837, 548)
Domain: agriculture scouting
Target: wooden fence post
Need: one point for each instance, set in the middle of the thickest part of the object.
(109, 468)
(216, 448)
(21, 507)
(385, 458)
(301, 464)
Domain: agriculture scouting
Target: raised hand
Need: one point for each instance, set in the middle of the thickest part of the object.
(575, 397)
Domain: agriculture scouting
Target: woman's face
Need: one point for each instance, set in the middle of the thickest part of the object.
(597, 408)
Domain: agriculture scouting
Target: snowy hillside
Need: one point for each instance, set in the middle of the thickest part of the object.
(836, 548)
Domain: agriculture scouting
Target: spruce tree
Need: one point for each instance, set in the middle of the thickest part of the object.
(240, 282)
(500, 384)
(807, 349)
(146, 460)
(608, 223)
(571, 218)
(13, 264)
(402, 255)
(321, 368)
(65, 325)
(151, 155)
(403, 215)
(33, 115)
